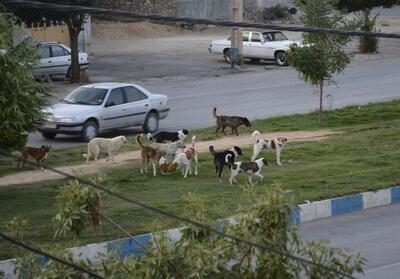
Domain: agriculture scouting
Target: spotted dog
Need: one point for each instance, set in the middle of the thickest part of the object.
(250, 168)
(275, 145)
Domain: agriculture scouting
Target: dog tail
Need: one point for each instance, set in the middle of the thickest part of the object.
(255, 136)
(229, 160)
(212, 150)
(215, 112)
(138, 141)
(193, 141)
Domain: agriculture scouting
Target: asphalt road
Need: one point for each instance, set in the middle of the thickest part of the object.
(264, 94)
(373, 232)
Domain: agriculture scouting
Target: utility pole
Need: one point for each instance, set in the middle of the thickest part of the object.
(236, 36)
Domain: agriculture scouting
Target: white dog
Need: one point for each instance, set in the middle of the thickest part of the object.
(110, 146)
(250, 168)
(275, 145)
(168, 149)
(184, 160)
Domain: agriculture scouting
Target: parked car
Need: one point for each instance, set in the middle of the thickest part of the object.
(95, 108)
(271, 45)
(55, 60)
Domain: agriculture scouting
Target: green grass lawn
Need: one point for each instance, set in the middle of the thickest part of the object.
(345, 119)
(365, 157)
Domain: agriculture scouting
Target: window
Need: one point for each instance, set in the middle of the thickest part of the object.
(245, 36)
(274, 36)
(58, 51)
(256, 37)
(44, 52)
(133, 94)
(86, 96)
(116, 97)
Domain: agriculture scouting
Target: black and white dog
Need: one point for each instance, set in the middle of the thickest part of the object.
(221, 159)
(249, 168)
(169, 136)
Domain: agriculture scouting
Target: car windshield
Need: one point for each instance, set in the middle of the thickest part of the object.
(86, 96)
(274, 36)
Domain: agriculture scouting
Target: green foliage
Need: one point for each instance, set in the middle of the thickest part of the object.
(78, 207)
(21, 97)
(15, 227)
(264, 221)
(368, 44)
(323, 55)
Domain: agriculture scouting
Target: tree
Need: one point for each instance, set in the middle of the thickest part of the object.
(21, 97)
(322, 54)
(74, 20)
(202, 254)
(364, 8)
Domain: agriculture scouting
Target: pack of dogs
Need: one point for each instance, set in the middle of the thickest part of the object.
(168, 152)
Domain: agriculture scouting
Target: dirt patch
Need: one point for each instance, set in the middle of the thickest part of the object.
(28, 177)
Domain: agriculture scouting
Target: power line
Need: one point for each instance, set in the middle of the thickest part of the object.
(155, 17)
(171, 215)
(54, 258)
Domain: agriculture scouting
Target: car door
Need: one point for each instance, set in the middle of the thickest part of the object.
(256, 45)
(115, 113)
(138, 104)
(61, 59)
(45, 63)
(245, 39)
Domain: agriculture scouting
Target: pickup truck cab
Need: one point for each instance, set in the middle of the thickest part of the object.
(270, 45)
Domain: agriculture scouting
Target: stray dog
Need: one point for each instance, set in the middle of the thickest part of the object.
(275, 145)
(234, 122)
(168, 136)
(40, 154)
(184, 160)
(221, 159)
(149, 154)
(165, 167)
(250, 168)
(111, 146)
(168, 149)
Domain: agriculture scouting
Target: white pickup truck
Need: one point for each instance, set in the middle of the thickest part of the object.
(271, 45)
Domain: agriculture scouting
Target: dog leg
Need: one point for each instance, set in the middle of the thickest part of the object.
(250, 181)
(278, 156)
(217, 129)
(196, 162)
(154, 169)
(223, 130)
(190, 168)
(187, 169)
(232, 130)
(260, 176)
(236, 130)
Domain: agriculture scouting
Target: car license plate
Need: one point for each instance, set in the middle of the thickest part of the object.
(50, 126)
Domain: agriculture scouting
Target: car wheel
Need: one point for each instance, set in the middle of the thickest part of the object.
(226, 56)
(90, 130)
(281, 58)
(49, 135)
(151, 123)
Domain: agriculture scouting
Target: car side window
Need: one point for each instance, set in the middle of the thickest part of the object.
(116, 97)
(133, 94)
(44, 52)
(245, 36)
(58, 51)
(256, 37)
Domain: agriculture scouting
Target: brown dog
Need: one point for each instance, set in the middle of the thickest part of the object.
(233, 122)
(40, 154)
(149, 154)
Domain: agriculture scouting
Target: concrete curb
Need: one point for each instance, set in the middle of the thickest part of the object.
(305, 213)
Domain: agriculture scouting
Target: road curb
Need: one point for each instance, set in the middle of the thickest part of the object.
(304, 213)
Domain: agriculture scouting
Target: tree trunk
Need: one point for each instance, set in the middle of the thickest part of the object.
(321, 95)
(74, 28)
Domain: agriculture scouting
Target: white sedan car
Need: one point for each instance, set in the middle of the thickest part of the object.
(55, 60)
(99, 107)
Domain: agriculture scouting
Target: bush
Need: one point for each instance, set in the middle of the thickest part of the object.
(368, 44)
(277, 12)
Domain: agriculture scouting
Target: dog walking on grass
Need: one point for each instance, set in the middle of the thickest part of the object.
(223, 121)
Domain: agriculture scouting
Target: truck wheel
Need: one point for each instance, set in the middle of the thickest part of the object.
(151, 123)
(281, 58)
(226, 56)
(90, 130)
(49, 135)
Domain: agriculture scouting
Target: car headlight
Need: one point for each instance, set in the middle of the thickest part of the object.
(67, 119)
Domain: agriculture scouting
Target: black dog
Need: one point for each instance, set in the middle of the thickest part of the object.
(221, 159)
(169, 136)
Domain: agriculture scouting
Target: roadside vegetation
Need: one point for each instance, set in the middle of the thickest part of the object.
(364, 157)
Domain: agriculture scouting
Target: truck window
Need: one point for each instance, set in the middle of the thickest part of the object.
(256, 37)
(245, 36)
